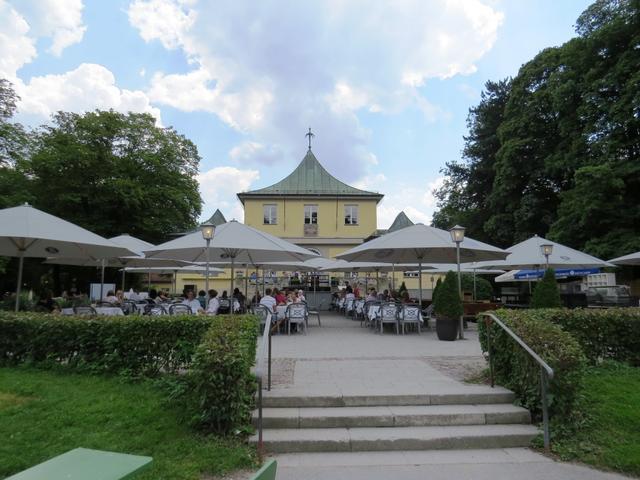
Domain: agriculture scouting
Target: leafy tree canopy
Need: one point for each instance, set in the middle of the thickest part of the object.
(556, 150)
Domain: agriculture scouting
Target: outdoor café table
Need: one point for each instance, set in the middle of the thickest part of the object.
(83, 464)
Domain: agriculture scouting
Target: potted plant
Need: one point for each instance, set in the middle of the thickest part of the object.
(448, 308)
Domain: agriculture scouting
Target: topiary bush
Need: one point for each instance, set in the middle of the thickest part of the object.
(516, 370)
(436, 289)
(447, 302)
(546, 293)
(221, 387)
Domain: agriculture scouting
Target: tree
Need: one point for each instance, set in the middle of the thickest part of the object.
(13, 138)
(436, 289)
(546, 293)
(447, 302)
(484, 290)
(116, 173)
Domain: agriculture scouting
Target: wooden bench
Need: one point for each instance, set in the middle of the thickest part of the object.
(83, 464)
(267, 472)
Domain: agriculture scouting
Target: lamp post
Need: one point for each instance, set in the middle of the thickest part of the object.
(208, 230)
(546, 249)
(457, 235)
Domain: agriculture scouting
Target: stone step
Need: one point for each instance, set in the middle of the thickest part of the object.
(394, 416)
(469, 395)
(396, 438)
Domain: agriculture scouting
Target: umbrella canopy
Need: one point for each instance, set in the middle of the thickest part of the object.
(631, 259)
(421, 243)
(167, 270)
(344, 266)
(528, 254)
(233, 242)
(28, 232)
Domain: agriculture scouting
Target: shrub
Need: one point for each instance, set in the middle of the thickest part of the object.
(484, 290)
(447, 302)
(220, 383)
(546, 293)
(516, 370)
(139, 345)
(612, 333)
(436, 289)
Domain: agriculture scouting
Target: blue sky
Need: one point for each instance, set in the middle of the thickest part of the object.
(385, 86)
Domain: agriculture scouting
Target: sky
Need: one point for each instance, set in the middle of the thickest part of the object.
(385, 86)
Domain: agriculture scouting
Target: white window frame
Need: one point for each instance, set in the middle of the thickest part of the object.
(270, 218)
(309, 210)
(348, 213)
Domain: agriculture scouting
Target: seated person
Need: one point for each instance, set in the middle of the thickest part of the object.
(153, 296)
(120, 296)
(373, 296)
(225, 303)
(281, 298)
(47, 302)
(202, 298)
(192, 302)
(268, 301)
(349, 293)
(301, 297)
(256, 298)
(163, 297)
(111, 298)
(214, 303)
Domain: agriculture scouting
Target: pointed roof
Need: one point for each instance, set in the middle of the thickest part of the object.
(217, 218)
(309, 179)
(401, 221)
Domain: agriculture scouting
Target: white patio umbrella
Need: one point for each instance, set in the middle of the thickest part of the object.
(315, 264)
(232, 242)
(630, 259)
(174, 271)
(28, 232)
(345, 266)
(423, 244)
(528, 254)
(134, 244)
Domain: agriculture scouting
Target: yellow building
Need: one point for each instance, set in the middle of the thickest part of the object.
(313, 209)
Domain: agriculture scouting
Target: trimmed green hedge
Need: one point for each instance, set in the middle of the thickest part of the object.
(221, 387)
(611, 333)
(516, 370)
(138, 345)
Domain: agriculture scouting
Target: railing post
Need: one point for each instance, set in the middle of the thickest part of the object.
(487, 324)
(545, 409)
(260, 446)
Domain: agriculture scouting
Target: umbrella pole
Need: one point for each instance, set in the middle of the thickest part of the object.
(246, 281)
(419, 283)
(257, 285)
(263, 282)
(377, 280)
(123, 274)
(175, 281)
(233, 259)
(101, 280)
(149, 280)
(474, 284)
(393, 276)
(19, 286)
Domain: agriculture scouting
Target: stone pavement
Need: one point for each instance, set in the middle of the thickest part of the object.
(342, 360)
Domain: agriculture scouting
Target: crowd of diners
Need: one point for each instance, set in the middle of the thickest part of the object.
(372, 295)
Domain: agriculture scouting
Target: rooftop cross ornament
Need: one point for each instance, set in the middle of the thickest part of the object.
(309, 135)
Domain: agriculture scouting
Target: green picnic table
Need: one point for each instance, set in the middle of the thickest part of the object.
(85, 464)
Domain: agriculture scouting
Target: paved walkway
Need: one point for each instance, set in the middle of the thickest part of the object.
(343, 358)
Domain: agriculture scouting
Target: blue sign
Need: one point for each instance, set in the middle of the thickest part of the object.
(560, 273)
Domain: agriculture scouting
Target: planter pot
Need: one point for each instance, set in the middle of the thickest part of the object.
(447, 328)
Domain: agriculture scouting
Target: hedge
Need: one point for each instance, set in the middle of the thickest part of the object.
(516, 370)
(612, 333)
(221, 387)
(138, 345)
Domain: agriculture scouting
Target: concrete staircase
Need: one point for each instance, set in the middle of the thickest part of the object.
(480, 417)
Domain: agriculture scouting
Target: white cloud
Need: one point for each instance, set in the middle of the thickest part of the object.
(249, 151)
(86, 88)
(17, 48)
(418, 204)
(218, 188)
(58, 20)
(270, 72)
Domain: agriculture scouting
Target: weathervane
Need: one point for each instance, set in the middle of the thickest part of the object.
(309, 135)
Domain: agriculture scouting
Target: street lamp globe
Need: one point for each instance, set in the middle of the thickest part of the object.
(457, 233)
(208, 230)
(546, 249)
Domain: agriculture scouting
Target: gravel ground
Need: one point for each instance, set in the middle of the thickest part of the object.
(459, 368)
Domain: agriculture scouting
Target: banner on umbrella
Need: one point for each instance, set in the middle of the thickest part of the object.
(560, 273)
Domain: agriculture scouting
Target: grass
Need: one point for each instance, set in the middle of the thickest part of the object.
(610, 436)
(46, 413)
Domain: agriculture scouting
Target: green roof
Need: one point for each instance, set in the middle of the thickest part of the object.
(309, 179)
(216, 219)
(401, 221)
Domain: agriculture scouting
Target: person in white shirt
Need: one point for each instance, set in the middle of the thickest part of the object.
(111, 298)
(373, 296)
(192, 302)
(268, 301)
(349, 295)
(214, 303)
(301, 297)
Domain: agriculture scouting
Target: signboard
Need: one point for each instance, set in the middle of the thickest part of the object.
(560, 273)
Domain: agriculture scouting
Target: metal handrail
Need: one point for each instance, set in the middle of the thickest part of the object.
(546, 372)
(264, 348)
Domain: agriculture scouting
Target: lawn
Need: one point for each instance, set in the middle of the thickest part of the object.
(610, 438)
(46, 413)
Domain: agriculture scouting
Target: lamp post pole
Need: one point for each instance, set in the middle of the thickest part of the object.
(208, 231)
(457, 235)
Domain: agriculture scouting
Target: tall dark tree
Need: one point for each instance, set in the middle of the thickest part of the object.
(116, 173)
